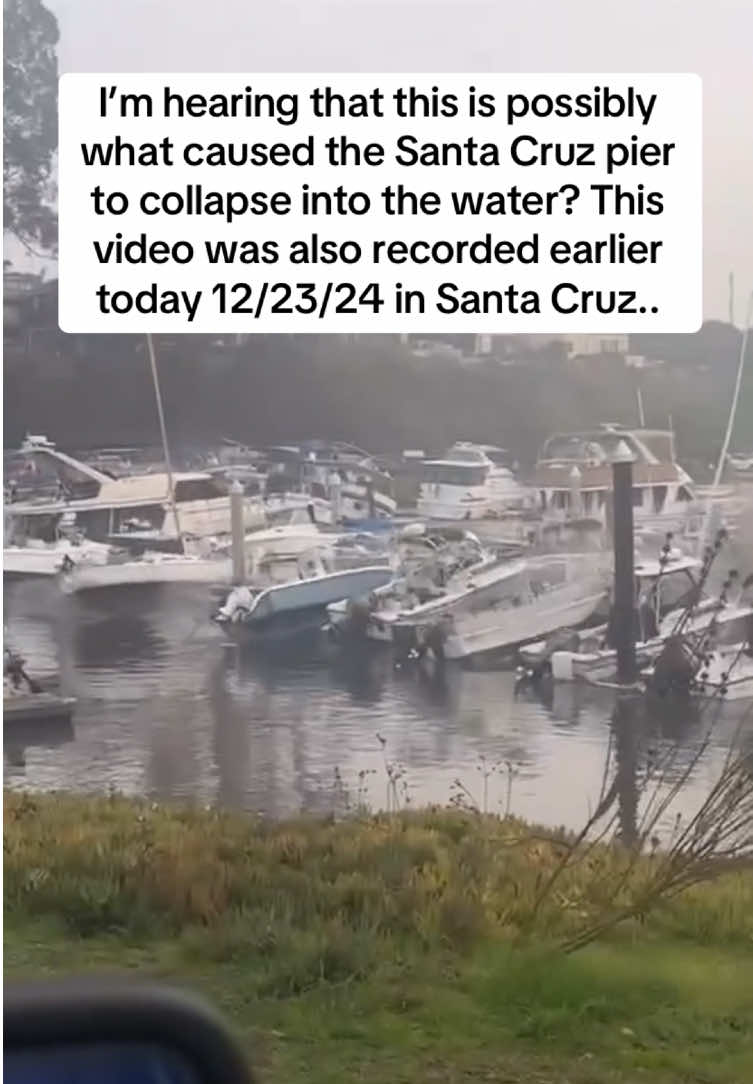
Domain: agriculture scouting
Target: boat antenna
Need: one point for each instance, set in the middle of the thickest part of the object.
(733, 411)
(641, 415)
(165, 446)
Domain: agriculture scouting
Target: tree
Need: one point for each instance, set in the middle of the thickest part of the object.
(29, 121)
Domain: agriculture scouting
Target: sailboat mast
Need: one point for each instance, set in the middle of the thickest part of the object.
(730, 425)
(736, 395)
(641, 414)
(163, 430)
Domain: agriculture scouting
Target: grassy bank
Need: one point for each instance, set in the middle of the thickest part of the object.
(424, 946)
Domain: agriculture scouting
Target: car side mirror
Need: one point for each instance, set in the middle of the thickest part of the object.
(94, 1031)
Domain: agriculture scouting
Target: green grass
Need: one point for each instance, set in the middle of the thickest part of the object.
(399, 948)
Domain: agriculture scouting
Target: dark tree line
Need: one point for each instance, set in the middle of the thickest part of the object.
(371, 391)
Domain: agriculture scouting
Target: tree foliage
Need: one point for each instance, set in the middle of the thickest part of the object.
(29, 120)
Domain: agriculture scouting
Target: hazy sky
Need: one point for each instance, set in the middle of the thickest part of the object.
(711, 38)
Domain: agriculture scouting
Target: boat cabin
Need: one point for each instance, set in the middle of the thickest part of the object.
(573, 475)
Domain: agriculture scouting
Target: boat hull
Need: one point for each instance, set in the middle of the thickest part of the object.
(300, 604)
(134, 573)
(562, 607)
(437, 508)
(21, 562)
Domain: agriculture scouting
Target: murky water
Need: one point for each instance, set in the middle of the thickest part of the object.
(166, 709)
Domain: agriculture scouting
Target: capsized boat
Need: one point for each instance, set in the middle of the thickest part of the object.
(295, 606)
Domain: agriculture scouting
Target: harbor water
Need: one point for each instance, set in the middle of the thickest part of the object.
(167, 709)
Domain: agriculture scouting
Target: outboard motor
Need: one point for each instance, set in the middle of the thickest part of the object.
(675, 668)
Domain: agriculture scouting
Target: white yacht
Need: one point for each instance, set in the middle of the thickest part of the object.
(290, 530)
(341, 473)
(471, 481)
(133, 510)
(573, 477)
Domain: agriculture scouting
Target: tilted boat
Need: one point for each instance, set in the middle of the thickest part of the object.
(725, 672)
(704, 624)
(662, 586)
(435, 565)
(529, 600)
(296, 605)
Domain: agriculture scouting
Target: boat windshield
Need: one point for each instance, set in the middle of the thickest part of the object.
(499, 457)
(454, 474)
(583, 447)
(467, 455)
(286, 517)
(197, 489)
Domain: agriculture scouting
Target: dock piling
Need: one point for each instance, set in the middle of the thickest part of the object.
(238, 533)
(624, 616)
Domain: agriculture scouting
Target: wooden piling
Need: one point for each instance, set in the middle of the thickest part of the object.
(624, 616)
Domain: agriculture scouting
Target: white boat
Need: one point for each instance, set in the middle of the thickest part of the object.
(573, 478)
(151, 568)
(297, 604)
(712, 625)
(433, 564)
(725, 673)
(37, 558)
(346, 476)
(506, 491)
(293, 526)
(134, 510)
(466, 484)
(662, 587)
(740, 463)
(531, 600)
(291, 549)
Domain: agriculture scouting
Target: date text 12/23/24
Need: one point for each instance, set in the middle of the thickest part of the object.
(351, 299)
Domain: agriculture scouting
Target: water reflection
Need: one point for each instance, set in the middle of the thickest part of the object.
(166, 709)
